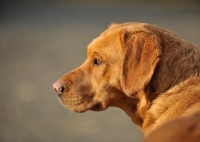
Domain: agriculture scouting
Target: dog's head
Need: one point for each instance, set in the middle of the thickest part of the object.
(120, 62)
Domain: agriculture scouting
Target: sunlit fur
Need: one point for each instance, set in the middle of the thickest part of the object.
(185, 129)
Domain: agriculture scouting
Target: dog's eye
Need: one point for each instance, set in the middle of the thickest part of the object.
(97, 62)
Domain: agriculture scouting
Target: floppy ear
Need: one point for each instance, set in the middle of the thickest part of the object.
(142, 52)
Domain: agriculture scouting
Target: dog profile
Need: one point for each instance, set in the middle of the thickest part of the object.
(150, 73)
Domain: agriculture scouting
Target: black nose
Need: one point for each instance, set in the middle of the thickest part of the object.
(58, 87)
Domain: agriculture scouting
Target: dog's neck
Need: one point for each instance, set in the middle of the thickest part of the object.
(133, 107)
(180, 60)
(167, 106)
(178, 63)
(148, 117)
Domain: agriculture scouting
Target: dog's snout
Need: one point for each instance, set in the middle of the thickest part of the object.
(58, 87)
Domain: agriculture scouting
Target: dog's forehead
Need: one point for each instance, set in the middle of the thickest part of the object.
(102, 42)
(96, 45)
(114, 31)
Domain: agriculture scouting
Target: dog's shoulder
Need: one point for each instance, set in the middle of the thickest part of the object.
(181, 100)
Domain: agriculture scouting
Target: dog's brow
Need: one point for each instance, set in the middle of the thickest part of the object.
(88, 50)
(91, 50)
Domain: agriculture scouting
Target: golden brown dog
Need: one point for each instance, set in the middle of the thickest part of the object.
(150, 73)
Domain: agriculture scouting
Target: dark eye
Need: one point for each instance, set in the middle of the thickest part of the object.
(97, 62)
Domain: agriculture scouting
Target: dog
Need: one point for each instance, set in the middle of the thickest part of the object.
(186, 129)
(150, 73)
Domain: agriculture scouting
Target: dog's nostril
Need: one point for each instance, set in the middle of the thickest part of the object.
(58, 87)
(61, 90)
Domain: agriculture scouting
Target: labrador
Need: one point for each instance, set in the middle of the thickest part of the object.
(150, 73)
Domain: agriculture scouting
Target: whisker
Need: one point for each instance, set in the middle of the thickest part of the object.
(85, 47)
(83, 99)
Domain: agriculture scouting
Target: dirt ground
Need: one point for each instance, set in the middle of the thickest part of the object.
(40, 43)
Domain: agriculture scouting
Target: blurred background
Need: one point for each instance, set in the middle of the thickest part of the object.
(41, 40)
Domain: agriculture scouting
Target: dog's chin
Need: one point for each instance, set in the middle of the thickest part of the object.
(93, 107)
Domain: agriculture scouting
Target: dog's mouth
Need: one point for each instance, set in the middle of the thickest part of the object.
(97, 107)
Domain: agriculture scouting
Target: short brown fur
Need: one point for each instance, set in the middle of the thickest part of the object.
(185, 129)
(150, 73)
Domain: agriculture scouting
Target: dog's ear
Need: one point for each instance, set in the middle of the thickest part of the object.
(142, 52)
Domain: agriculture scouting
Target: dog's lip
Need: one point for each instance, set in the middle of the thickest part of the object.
(96, 107)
